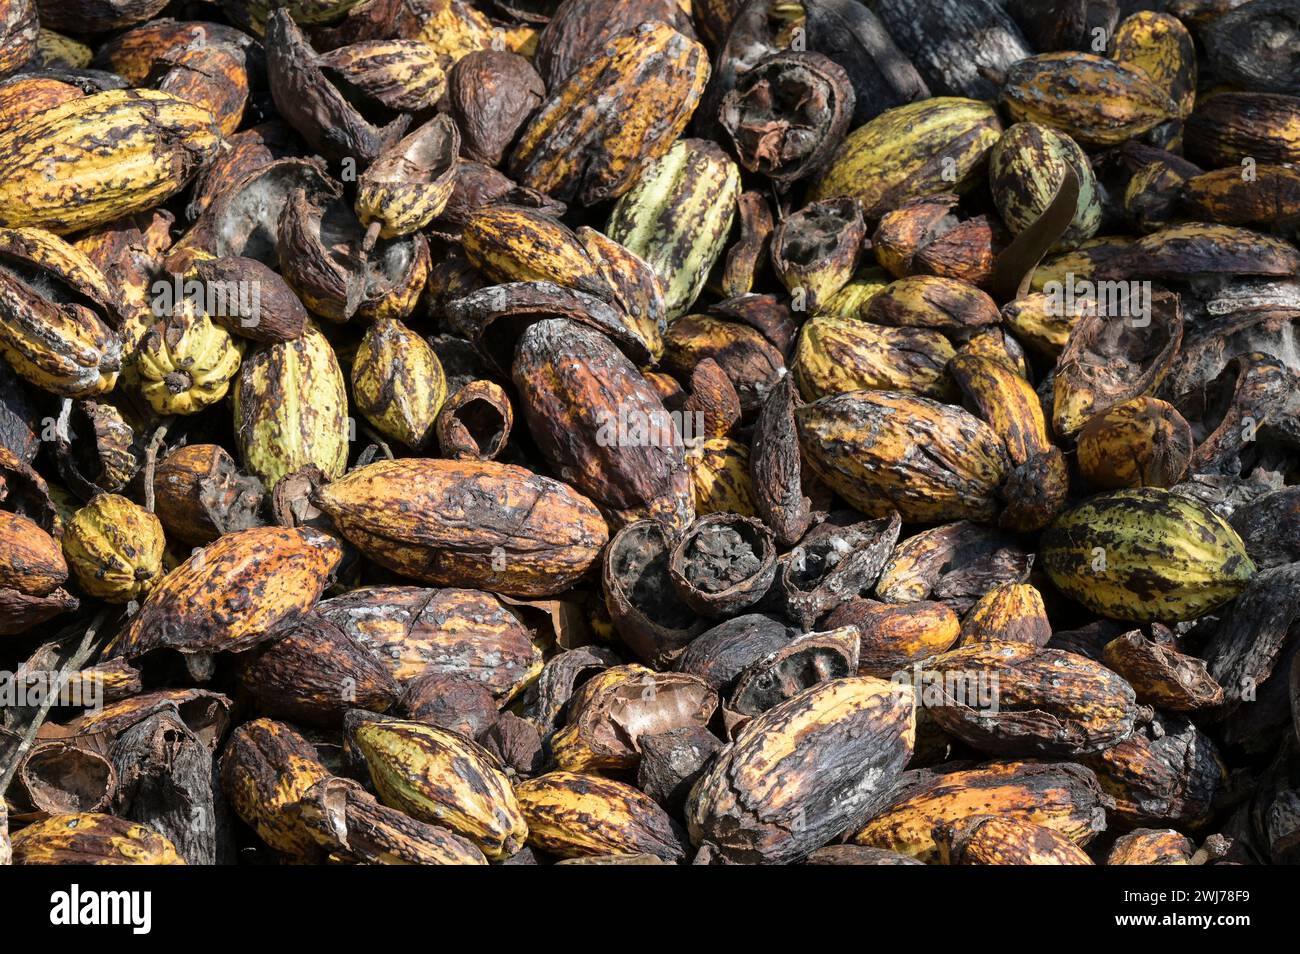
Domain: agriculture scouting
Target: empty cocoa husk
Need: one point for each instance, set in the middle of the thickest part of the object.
(475, 422)
(723, 564)
(834, 562)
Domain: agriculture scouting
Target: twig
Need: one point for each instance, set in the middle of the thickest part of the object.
(73, 663)
(151, 461)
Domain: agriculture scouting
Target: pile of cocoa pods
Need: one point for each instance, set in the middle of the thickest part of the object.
(650, 431)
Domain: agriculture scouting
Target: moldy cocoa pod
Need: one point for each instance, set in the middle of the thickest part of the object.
(114, 549)
(815, 251)
(310, 671)
(290, 409)
(957, 563)
(956, 44)
(398, 383)
(1269, 526)
(232, 593)
(833, 563)
(398, 74)
(92, 839)
(185, 362)
(441, 778)
(751, 361)
(649, 616)
(458, 704)
(721, 654)
(805, 772)
(1062, 796)
(199, 494)
(1160, 46)
(474, 423)
(955, 308)
(1271, 194)
(1093, 100)
(349, 823)
(1121, 350)
(278, 316)
(997, 840)
(622, 109)
(1145, 555)
(932, 146)
(492, 94)
(419, 632)
(1026, 169)
(1245, 46)
(315, 107)
(677, 216)
(1226, 128)
(573, 816)
(409, 183)
(600, 425)
(775, 467)
(1152, 846)
(882, 451)
(723, 564)
(463, 523)
(893, 636)
(1166, 772)
(800, 664)
(48, 333)
(33, 564)
(1014, 699)
(1144, 442)
(579, 28)
(787, 114)
(62, 178)
(610, 712)
(671, 763)
(1160, 674)
(267, 768)
(1008, 613)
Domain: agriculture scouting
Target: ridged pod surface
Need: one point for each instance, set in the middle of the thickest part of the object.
(1146, 555)
(575, 816)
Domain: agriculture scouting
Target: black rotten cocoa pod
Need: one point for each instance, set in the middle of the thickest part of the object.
(723, 564)
(837, 560)
(721, 654)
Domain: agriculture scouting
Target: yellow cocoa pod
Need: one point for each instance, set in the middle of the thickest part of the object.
(115, 549)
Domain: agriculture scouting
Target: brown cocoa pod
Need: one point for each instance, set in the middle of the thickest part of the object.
(1160, 674)
(1244, 45)
(459, 704)
(721, 654)
(199, 494)
(723, 564)
(311, 672)
(1013, 699)
(475, 422)
(1008, 613)
(419, 632)
(1151, 846)
(1227, 128)
(58, 778)
(1062, 796)
(815, 250)
(893, 636)
(997, 840)
(672, 761)
(839, 747)
(579, 28)
(788, 114)
(492, 94)
(600, 425)
(751, 361)
(957, 563)
(1166, 772)
(517, 743)
(647, 614)
(266, 770)
(622, 109)
(775, 467)
(463, 523)
(399, 74)
(800, 664)
(1268, 526)
(1144, 442)
(276, 313)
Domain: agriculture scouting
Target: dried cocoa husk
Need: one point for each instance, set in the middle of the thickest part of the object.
(839, 746)
(278, 315)
(599, 425)
(206, 714)
(647, 614)
(1245, 46)
(492, 94)
(63, 777)
(671, 763)
(398, 74)
(834, 562)
(91, 838)
(815, 251)
(1166, 772)
(775, 467)
(1248, 642)
(1160, 674)
(893, 636)
(1152, 846)
(1063, 796)
(459, 704)
(474, 422)
(1144, 442)
(1008, 613)
(956, 563)
(722, 653)
(409, 183)
(1270, 527)
(199, 494)
(1229, 127)
(722, 564)
(420, 632)
(800, 664)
